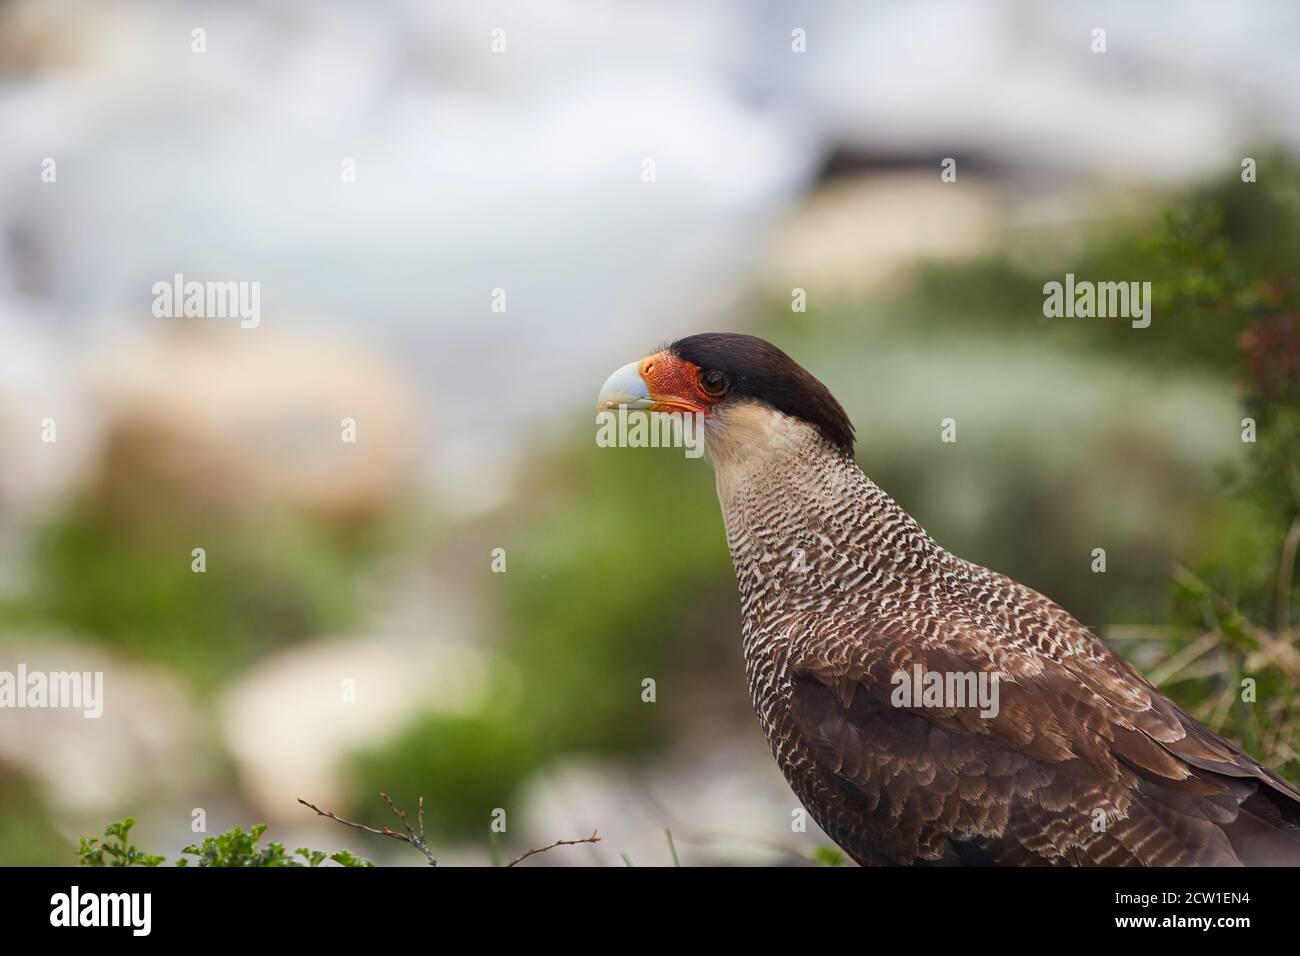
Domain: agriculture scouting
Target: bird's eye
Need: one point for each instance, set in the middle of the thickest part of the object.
(713, 382)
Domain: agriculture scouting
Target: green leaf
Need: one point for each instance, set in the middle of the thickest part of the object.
(828, 856)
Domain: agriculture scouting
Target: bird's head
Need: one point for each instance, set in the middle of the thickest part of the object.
(748, 391)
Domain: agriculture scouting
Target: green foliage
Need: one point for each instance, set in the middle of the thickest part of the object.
(1241, 588)
(829, 856)
(265, 586)
(1218, 260)
(600, 593)
(94, 852)
(237, 848)
(346, 858)
(463, 766)
(232, 848)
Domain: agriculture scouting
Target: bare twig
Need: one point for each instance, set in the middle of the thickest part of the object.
(594, 838)
(415, 839)
(415, 836)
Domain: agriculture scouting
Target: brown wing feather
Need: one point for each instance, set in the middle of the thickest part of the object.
(1084, 763)
(1124, 687)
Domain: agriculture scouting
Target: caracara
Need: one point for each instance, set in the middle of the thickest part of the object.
(926, 710)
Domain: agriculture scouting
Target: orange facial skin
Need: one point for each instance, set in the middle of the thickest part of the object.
(674, 384)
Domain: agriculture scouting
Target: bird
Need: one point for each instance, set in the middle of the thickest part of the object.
(847, 606)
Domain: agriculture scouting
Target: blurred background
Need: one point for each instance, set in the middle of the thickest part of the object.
(350, 635)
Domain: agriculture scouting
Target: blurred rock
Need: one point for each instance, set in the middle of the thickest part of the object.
(36, 475)
(229, 420)
(142, 747)
(853, 234)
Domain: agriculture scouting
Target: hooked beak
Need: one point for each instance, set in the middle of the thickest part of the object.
(659, 383)
(625, 387)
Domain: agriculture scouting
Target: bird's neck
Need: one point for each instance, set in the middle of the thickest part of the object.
(805, 526)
